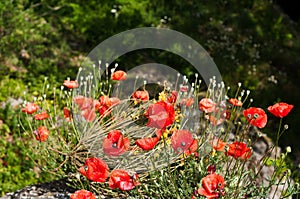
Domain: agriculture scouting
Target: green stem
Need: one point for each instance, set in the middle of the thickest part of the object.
(277, 138)
(278, 132)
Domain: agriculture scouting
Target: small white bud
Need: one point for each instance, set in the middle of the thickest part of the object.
(242, 93)
(222, 85)
(288, 149)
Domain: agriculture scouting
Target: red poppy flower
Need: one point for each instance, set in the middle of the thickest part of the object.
(41, 116)
(115, 143)
(235, 102)
(215, 121)
(140, 96)
(83, 102)
(105, 104)
(122, 180)
(187, 102)
(173, 97)
(147, 143)
(82, 194)
(212, 186)
(160, 115)
(114, 101)
(95, 169)
(30, 108)
(104, 100)
(89, 114)
(41, 134)
(256, 117)
(239, 150)
(280, 109)
(67, 114)
(70, 84)
(218, 144)
(183, 141)
(207, 105)
(119, 75)
(87, 107)
(192, 149)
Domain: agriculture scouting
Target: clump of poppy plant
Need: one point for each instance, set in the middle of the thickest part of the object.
(175, 144)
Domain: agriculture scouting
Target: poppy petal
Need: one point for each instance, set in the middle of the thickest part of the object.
(95, 169)
(280, 109)
(82, 194)
(119, 75)
(121, 179)
(147, 143)
(181, 140)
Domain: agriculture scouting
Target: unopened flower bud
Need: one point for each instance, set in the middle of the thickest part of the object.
(288, 149)
(211, 168)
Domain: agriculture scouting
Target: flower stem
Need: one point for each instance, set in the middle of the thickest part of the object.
(277, 138)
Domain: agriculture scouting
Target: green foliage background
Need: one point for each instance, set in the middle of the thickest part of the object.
(249, 41)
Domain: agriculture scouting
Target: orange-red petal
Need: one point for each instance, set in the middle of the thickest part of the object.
(82, 194)
(41, 116)
(95, 169)
(147, 143)
(119, 75)
(30, 108)
(70, 84)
